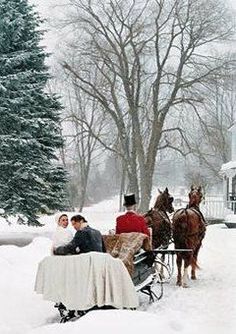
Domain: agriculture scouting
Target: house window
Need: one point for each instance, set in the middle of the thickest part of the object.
(233, 194)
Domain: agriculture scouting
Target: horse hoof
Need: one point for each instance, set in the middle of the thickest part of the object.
(185, 285)
(193, 277)
(178, 283)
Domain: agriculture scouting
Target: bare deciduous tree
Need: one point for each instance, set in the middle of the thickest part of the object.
(87, 126)
(212, 145)
(151, 57)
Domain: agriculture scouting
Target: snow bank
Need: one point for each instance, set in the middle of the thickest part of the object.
(208, 306)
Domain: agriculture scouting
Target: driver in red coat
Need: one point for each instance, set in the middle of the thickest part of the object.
(131, 221)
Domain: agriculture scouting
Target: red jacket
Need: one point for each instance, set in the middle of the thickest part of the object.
(131, 222)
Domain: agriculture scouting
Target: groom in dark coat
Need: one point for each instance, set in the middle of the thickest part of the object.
(86, 239)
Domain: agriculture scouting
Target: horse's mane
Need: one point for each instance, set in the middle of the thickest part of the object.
(159, 201)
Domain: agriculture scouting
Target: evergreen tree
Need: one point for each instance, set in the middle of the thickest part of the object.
(31, 181)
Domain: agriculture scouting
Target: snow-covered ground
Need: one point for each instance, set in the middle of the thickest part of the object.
(208, 306)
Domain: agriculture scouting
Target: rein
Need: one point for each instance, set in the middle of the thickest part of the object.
(162, 213)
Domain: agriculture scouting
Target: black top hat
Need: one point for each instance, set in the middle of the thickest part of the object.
(129, 200)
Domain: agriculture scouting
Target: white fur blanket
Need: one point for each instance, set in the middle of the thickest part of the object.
(86, 280)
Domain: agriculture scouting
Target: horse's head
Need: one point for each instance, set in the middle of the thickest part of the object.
(164, 201)
(195, 195)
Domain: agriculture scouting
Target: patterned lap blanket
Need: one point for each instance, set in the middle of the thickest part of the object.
(125, 245)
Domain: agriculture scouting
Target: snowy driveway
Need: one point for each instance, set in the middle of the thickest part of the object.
(208, 306)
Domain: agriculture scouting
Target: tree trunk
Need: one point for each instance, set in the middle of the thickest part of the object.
(145, 189)
(122, 190)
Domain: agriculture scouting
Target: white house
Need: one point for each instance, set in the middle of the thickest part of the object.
(228, 171)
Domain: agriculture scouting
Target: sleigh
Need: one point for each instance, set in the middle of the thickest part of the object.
(154, 269)
(80, 283)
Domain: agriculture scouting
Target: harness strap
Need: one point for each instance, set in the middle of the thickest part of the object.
(198, 212)
(200, 215)
(199, 233)
(162, 214)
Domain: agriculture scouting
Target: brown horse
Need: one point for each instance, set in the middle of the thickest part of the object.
(188, 231)
(159, 221)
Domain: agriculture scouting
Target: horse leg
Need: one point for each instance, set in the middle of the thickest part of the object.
(187, 261)
(179, 265)
(193, 270)
(185, 275)
(162, 268)
(194, 263)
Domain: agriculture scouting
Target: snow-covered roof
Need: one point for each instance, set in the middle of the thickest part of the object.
(228, 165)
(232, 127)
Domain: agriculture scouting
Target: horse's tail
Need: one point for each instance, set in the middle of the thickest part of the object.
(194, 263)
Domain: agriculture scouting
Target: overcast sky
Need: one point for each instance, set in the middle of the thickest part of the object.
(50, 10)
